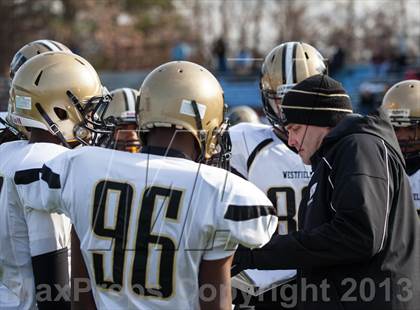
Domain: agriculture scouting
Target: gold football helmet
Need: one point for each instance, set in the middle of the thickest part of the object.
(187, 96)
(243, 114)
(286, 65)
(57, 92)
(122, 110)
(28, 51)
(32, 49)
(123, 105)
(402, 102)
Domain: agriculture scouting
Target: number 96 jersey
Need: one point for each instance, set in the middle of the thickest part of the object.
(145, 221)
(259, 156)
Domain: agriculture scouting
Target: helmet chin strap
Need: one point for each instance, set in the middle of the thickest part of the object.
(201, 133)
(75, 102)
(52, 126)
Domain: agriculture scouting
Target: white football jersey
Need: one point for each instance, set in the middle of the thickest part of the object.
(415, 189)
(24, 234)
(266, 161)
(146, 221)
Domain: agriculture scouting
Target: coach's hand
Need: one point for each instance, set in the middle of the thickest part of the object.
(242, 260)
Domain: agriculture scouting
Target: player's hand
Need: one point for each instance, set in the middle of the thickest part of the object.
(242, 260)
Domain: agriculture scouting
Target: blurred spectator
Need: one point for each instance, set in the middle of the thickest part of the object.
(372, 91)
(219, 50)
(243, 62)
(257, 61)
(338, 61)
(181, 51)
(379, 62)
(412, 74)
(398, 62)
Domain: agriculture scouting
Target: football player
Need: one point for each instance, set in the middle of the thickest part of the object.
(122, 109)
(402, 101)
(12, 132)
(158, 228)
(243, 114)
(50, 95)
(260, 152)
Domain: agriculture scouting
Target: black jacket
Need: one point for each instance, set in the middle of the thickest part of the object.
(359, 234)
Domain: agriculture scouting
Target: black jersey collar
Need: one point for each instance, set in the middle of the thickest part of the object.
(162, 151)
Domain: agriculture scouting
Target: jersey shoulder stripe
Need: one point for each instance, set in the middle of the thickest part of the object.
(236, 172)
(51, 178)
(245, 138)
(257, 149)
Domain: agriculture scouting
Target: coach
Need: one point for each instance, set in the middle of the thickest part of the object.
(358, 244)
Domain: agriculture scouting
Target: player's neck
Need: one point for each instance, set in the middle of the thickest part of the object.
(39, 136)
(181, 141)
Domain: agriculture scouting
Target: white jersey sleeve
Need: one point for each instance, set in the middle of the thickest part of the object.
(245, 216)
(47, 232)
(43, 193)
(24, 234)
(250, 216)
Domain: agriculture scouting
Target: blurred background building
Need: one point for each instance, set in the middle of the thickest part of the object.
(369, 44)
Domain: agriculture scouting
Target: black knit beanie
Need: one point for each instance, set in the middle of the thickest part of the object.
(318, 100)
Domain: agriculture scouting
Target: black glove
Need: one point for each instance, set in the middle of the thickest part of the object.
(242, 260)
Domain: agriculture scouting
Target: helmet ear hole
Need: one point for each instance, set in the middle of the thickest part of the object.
(61, 113)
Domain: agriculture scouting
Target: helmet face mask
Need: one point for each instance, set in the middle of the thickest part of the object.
(284, 67)
(121, 111)
(126, 138)
(272, 108)
(95, 128)
(185, 96)
(402, 102)
(409, 140)
(20, 132)
(223, 150)
(59, 92)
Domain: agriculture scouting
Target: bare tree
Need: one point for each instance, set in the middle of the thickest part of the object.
(20, 22)
(256, 19)
(225, 13)
(290, 18)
